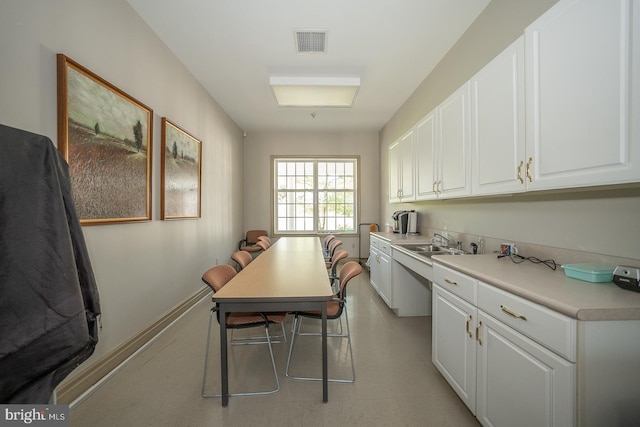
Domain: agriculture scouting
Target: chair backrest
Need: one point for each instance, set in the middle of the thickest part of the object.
(336, 258)
(325, 242)
(264, 238)
(252, 236)
(243, 258)
(218, 276)
(333, 246)
(350, 270)
(264, 245)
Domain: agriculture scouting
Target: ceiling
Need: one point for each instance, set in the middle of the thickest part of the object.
(233, 46)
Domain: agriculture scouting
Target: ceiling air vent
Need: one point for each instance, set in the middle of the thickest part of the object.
(311, 41)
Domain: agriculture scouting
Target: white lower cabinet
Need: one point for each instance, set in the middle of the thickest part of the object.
(453, 343)
(503, 376)
(519, 382)
(380, 269)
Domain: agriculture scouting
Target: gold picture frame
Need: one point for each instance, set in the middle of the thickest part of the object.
(181, 173)
(105, 136)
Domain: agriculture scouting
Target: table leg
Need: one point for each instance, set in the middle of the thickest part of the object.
(325, 370)
(224, 368)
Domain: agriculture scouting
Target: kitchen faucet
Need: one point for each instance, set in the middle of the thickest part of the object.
(449, 242)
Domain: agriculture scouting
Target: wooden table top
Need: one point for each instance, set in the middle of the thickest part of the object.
(292, 269)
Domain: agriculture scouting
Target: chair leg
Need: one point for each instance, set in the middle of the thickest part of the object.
(275, 339)
(339, 333)
(255, 393)
(297, 324)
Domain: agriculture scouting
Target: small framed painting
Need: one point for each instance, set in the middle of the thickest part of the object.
(181, 173)
(105, 137)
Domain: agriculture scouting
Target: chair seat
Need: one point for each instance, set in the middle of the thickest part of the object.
(333, 311)
(251, 248)
(252, 319)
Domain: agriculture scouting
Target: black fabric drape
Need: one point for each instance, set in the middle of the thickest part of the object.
(49, 301)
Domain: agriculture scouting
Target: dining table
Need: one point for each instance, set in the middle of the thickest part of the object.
(289, 276)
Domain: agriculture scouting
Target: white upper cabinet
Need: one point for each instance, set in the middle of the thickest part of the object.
(426, 155)
(401, 166)
(497, 130)
(454, 129)
(583, 95)
(443, 148)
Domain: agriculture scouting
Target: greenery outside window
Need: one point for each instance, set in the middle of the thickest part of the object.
(315, 195)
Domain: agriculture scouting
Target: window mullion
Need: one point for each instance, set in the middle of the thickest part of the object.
(316, 210)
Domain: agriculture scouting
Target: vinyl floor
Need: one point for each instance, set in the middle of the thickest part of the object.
(396, 383)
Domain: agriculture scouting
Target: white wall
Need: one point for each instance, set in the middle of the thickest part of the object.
(142, 269)
(257, 155)
(601, 222)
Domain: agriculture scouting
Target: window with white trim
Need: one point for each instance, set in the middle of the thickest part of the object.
(315, 195)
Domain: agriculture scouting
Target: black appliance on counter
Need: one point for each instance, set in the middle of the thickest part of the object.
(405, 221)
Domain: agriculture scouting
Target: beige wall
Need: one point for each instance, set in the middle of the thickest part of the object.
(603, 222)
(259, 148)
(144, 269)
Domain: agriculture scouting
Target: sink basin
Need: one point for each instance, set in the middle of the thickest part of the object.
(424, 247)
(428, 250)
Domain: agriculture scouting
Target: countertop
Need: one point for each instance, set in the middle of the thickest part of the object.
(537, 283)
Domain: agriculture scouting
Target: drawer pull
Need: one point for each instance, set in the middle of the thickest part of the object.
(511, 313)
(449, 281)
(478, 333)
(468, 331)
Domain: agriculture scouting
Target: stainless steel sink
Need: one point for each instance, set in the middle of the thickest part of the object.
(424, 247)
(428, 250)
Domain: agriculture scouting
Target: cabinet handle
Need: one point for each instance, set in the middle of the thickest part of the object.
(433, 187)
(511, 313)
(439, 187)
(468, 331)
(520, 172)
(478, 333)
(451, 282)
(529, 169)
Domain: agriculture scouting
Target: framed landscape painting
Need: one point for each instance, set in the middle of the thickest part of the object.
(181, 173)
(105, 136)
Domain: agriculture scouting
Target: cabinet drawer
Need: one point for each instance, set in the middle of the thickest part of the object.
(374, 241)
(551, 329)
(457, 283)
(385, 247)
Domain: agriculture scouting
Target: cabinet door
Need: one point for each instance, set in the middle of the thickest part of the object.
(394, 172)
(384, 283)
(582, 77)
(497, 135)
(374, 267)
(407, 144)
(454, 125)
(426, 157)
(453, 343)
(520, 383)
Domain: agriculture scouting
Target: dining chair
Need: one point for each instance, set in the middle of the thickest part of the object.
(263, 245)
(332, 267)
(333, 246)
(216, 278)
(242, 258)
(249, 242)
(264, 238)
(325, 243)
(335, 308)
